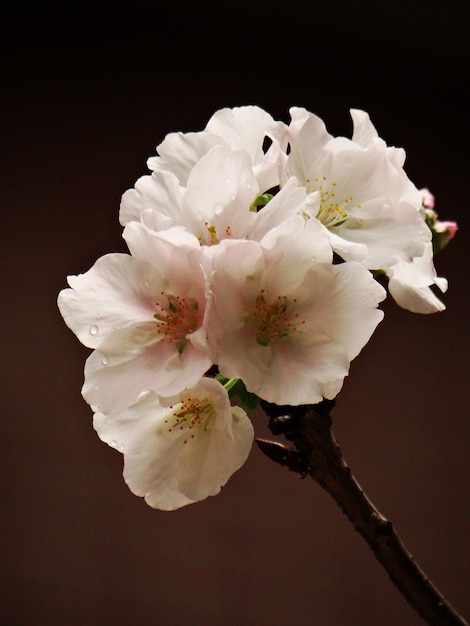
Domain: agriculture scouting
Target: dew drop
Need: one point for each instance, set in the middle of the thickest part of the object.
(104, 359)
(218, 208)
(248, 184)
(93, 330)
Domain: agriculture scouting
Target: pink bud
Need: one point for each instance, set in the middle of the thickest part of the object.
(428, 198)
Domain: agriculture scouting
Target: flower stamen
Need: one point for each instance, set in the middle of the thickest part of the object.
(273, 320)
(192, 414)
(177, 320)
(331, 212)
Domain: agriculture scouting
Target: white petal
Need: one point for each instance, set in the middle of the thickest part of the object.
(174, 466)
(409, 284)
(115, 292)
(159, 192)
(133, 360)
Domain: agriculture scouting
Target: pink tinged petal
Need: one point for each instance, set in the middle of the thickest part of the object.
(269, 173)
(221, 189)
(263, 334)
(291, 249)
(134, 360)
(116, 292)
(337, 311)
(179, 152)
(289, 201)
(176, 253)
(246, 128)
(182, 449)
(243, 127)
(159, 192)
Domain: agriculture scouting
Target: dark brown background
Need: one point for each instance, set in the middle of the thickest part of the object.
(87, 95)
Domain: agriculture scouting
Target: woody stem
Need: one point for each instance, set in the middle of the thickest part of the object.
(311, 434)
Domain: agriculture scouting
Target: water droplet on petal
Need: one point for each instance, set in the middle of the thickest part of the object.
(104, 359)
(93, 330)
(218, 208)
(248, 184)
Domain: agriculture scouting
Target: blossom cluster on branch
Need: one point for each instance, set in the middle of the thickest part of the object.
(255, 249)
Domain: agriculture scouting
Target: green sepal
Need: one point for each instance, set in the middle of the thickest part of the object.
(261, 201)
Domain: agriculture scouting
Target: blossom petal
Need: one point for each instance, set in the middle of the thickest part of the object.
(133, 360)
(409, 284)
(115, 292)
(159, 192)
(290, 341)
(173, 461)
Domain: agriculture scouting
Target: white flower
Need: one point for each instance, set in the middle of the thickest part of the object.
(245, 128)
(182, 449)
(363, 196)
(217, 202)
(283, 318)
(143, 315)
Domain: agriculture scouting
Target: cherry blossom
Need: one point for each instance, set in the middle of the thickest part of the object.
(365, 200)
(218, 202)
(182, 449)
(246, 128)
(286, 320)
(143, 316)
(253, 251)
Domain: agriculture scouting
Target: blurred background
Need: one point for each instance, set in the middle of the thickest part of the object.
(88, 91)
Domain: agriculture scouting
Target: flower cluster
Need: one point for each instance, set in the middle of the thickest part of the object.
(254, 251)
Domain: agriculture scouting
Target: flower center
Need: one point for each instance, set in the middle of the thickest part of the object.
(212, 237)
(332, 212)
(273, 320)
(177, 320)
(192, 414)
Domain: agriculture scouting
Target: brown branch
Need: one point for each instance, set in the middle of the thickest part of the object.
(310, 432)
